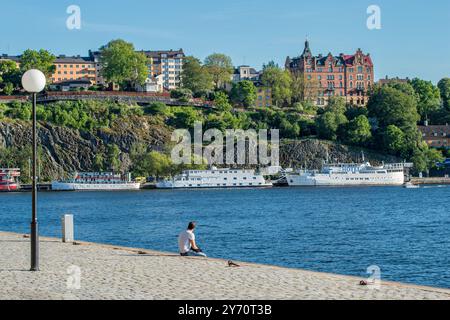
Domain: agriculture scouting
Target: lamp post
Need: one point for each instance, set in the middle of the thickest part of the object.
(33, 81)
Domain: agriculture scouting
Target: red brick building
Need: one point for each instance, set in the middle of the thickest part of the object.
(437, 136)
(347, 76)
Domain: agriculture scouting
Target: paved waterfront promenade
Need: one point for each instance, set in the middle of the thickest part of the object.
(109, 272)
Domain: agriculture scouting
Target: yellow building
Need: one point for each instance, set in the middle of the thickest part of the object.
(74, 68)
(263, 96)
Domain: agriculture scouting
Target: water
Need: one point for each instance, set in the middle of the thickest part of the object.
(341, 230)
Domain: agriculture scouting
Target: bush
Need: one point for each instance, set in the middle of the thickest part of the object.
(157, 108)
(182, 95)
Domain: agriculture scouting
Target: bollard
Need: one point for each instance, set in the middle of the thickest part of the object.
(67, 228)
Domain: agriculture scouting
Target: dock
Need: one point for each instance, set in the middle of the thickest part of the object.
(90, 271)
(430, 180)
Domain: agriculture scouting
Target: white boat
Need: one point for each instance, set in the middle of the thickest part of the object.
(96, 181)
(216, 178)
(410, 185)
(350, 174)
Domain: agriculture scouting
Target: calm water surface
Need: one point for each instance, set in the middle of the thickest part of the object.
(406, 232)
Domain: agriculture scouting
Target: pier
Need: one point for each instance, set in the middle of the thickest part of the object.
(89, 271)
(431, 180)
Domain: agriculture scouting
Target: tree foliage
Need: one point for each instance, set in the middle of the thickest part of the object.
(279, 81)
(122, 65)
(196, 77)
(428, 97)
(220, 67)
(358, 131)
(10, 76)
(244, 93)
(41, 60)
(444, 89)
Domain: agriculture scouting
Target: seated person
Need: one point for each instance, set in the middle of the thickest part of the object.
(186, 242)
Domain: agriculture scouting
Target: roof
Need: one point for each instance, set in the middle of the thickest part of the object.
(75, 59)
(157, 53)
(72, 82)
(342, 59)
(252, 70)
(391, 80)
(8, 57)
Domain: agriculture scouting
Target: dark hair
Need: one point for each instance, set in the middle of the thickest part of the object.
(191, 225)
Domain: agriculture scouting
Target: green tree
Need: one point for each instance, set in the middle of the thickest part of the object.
(304, 89)
(157, 108)
(244, 93)
(404, 87)
(428, 97)
(121, 64)
(394, 140)
(426, 158)
(221, 101)
(330, 123)
(391, 106)
(279, 81)
(444, 88)
(182, 94)
(113, 157)
(99, 162)
(336, 104)
(220, 67)
(9, 76)
(158, 164)
(41, 60)
(8, 89)
(358, 131)
(185, 118)
(196, 77)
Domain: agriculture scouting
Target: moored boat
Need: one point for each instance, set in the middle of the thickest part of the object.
(216, 178)
(96, 181)
(9, 179)
(350, 174)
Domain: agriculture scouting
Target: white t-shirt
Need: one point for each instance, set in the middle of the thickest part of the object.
(184, 243)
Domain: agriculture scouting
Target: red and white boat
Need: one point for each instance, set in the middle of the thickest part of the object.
(9, 179)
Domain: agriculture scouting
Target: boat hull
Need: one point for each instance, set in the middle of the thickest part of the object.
(347, 179)
(68, 186)
(9, 187)
(172, 185)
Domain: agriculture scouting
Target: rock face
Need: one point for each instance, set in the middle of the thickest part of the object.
(69, 150)
(311, 153)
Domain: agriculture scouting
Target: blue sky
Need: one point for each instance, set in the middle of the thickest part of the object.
(414, 39)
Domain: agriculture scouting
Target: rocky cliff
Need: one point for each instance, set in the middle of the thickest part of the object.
(69, 150)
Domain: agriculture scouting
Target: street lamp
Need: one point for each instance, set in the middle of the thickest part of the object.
(33, 81)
